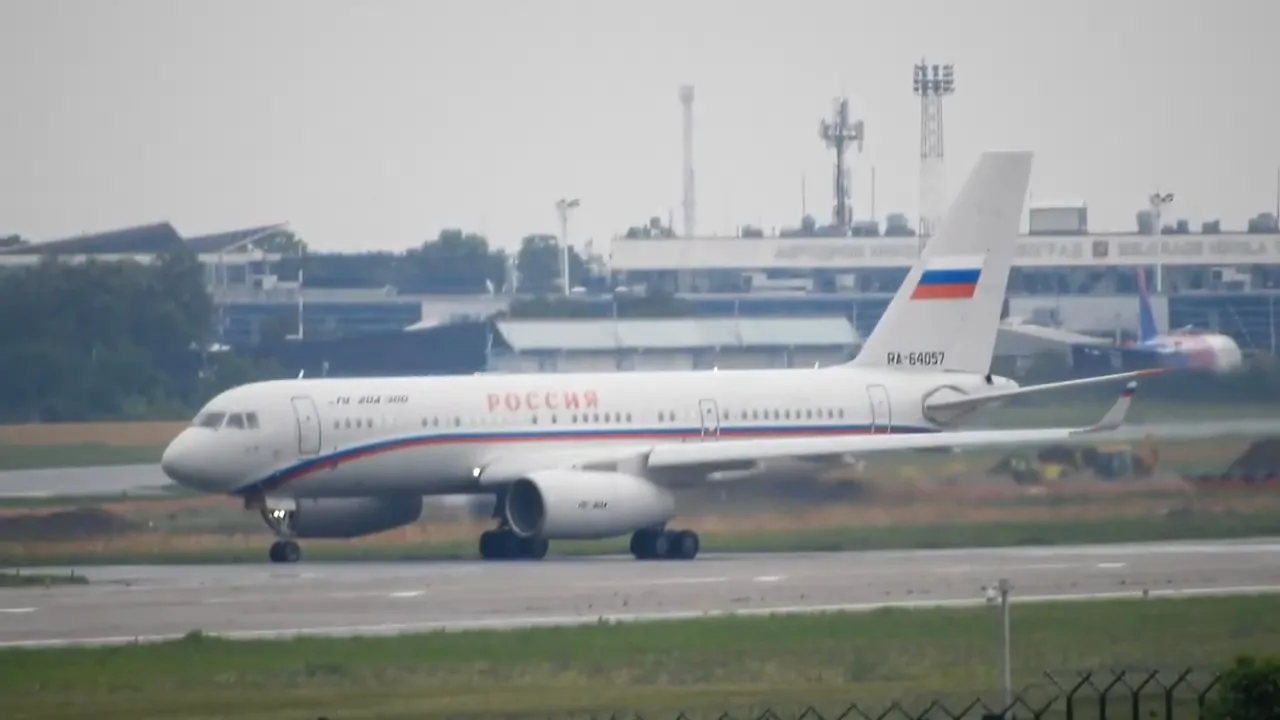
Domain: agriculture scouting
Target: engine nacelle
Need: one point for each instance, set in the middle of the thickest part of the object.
(352, 517)
(584, 505)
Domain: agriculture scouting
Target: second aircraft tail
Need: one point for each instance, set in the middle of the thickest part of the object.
(946, 314)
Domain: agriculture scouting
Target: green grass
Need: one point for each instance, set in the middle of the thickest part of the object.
(1202, 526)
(31, 457)
(17, 578)
(699, 666)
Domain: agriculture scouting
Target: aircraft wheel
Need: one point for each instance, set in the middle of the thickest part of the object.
(534, 548)
(644, 544)
(285, 551)
(505, 545)
(685, 545)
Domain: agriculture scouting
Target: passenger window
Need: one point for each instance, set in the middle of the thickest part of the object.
(235, 420)
(251, 420)
(357, 422)
(808, 414)
(661, 416)
(348, 423)
(212, 420)
(553, 419)
(628, 417)
(457, 422)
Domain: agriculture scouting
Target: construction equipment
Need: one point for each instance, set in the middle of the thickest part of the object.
(1059, 462)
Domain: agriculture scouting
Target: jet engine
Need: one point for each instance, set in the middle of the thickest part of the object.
(346, 518)
(587, 505)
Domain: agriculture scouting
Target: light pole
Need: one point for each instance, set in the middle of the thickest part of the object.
(1158, 201)
(563, 206)
(931, 88)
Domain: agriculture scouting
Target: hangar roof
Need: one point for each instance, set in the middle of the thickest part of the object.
(153, 239)
(675, 333)
(226, 241)
(140, 240)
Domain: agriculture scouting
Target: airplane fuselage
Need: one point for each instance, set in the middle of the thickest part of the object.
(433, 435)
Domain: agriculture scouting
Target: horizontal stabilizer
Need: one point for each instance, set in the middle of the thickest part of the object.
(962, 405)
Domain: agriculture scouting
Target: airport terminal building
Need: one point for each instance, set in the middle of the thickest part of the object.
(757, 301)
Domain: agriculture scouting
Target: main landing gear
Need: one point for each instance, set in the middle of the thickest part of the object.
(285, 551)
(665, 544)
(502, 544)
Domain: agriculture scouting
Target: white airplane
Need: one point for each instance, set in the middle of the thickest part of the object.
(1184, 349)
(596, 455)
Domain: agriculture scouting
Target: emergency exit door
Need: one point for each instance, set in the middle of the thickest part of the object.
(881, 410)
(709, 411)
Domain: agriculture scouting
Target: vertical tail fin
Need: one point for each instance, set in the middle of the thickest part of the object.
(1147, 330)
(947, 313)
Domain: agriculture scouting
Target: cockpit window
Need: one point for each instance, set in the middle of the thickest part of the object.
(211, 420)
(251, 420)
(235, 420)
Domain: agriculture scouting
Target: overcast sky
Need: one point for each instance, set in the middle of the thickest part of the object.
(374, 124)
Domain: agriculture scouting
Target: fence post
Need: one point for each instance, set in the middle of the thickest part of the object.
(1169, 690)
(1136, 699)
(1102, 695)
(1004, 586)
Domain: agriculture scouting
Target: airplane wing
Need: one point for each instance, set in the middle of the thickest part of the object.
(952, 408)
(684, 463)
(730, 452)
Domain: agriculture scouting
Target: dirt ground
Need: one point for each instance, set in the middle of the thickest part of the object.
(148, 525)
(121, 434)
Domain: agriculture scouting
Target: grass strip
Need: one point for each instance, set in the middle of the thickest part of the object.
(1192, 526)
(702, 667)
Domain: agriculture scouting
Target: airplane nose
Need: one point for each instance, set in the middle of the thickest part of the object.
(179, 461)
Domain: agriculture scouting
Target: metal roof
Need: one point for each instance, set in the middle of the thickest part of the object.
(141, 240)
(227, 241)
(675, 333)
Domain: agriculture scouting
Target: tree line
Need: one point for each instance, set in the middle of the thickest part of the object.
(114, 340)
(455, 262)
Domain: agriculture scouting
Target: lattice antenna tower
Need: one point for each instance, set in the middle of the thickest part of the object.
(931, 83)
(838, 133)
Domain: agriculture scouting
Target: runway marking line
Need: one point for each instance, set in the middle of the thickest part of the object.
(408, 593)
(770, 578)
(18, 610)
(1112, 565)
(570, 620)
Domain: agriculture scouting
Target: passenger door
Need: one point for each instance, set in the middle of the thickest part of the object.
(308, 417)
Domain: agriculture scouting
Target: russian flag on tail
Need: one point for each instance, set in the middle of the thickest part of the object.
(949, 278)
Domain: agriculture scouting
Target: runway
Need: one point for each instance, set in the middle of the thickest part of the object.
(140, 604)
(102, 480)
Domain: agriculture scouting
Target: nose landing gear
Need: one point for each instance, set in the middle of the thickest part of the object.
(284, 551)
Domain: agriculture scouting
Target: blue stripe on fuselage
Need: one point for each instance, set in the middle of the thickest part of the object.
(307, 466)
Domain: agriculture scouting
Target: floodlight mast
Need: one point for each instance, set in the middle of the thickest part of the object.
(563, 206)
(1158, 201)
(931, 83)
